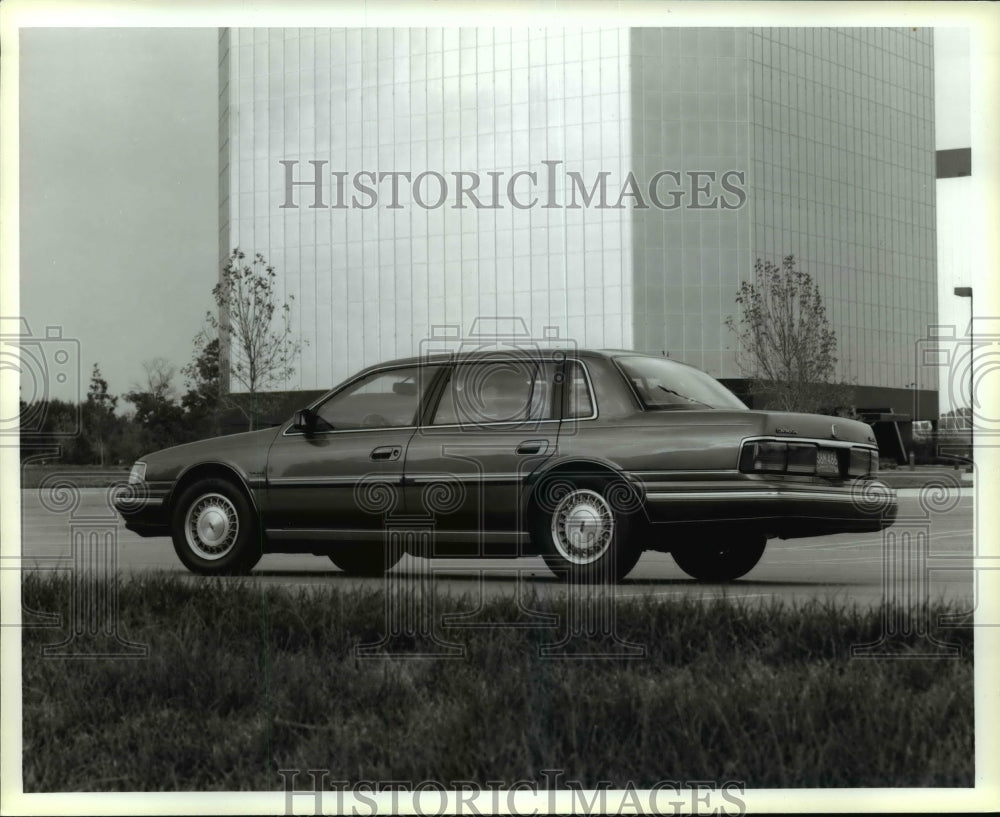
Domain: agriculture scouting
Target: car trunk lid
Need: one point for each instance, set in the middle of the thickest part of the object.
(788, 425)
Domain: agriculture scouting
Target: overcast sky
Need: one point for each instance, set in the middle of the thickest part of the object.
(119, 191)
(119, 187)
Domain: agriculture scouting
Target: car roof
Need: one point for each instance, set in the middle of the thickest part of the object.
(503, 351)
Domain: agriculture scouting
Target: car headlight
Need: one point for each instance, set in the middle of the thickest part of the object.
(137, 474)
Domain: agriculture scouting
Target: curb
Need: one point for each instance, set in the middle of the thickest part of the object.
(904, 478)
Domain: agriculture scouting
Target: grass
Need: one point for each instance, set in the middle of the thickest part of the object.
(242, 680)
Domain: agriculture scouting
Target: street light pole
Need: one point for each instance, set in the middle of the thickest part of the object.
(966, 292)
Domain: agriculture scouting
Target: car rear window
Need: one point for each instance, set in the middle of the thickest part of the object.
(666, 384)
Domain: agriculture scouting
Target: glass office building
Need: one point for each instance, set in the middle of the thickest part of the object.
(616, 184)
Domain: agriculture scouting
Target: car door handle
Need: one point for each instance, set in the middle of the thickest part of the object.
(532, 447)
(386, 452)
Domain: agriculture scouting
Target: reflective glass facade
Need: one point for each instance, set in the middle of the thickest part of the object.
(830, 131)
(690, 91)
(842, 168)
(370, 283)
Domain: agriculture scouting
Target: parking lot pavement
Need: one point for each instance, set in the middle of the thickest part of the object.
(848, 567)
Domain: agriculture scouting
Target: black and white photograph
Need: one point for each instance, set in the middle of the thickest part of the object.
(451, 408)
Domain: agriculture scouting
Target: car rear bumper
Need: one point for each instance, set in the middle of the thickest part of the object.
(783, 509)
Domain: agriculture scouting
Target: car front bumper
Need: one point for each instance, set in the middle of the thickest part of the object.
(143, 507)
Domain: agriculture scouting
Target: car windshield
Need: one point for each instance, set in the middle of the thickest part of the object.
(666, 384)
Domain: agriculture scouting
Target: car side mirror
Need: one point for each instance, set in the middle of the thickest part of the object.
(305, 420)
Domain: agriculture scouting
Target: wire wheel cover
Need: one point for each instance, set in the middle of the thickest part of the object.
(583, 526)
(211, 526)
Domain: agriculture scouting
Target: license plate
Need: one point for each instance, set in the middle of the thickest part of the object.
(827, 463)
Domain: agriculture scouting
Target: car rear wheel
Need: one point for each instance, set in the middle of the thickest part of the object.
(718, 560)
(582, 530)
(367, 559)
(214, 529)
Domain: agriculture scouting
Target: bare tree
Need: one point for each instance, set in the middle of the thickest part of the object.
(156, 410)
(99, 412)
(254, 330)
(159, 379)
(787, 348)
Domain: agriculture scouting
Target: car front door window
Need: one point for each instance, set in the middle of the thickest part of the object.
(387, 399)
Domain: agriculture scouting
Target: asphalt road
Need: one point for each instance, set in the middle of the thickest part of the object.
(931, 546)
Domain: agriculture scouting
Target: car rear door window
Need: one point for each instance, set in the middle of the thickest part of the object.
(503, 391)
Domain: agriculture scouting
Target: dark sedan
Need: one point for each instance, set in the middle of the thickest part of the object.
(586, 458)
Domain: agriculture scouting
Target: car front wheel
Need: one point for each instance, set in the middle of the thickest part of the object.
(583, 531)
(214, 529)
(716, 561)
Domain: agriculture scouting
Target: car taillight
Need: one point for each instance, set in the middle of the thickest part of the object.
(764, 456)
(863, 462)
(776, 457)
